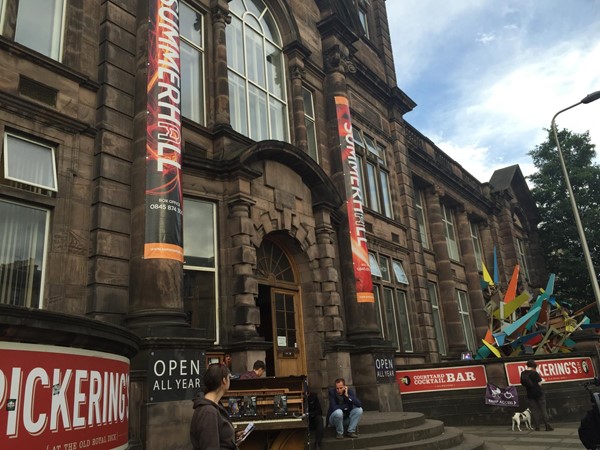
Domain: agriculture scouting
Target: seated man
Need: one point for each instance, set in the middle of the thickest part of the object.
(344, 409)
(258, 370)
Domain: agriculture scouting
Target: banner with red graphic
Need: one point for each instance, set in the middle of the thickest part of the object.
(553, 370)
(441, 379)
(354, 203)
(62, 398)
(164, 201)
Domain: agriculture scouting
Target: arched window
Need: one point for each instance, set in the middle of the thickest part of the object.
(257, 103)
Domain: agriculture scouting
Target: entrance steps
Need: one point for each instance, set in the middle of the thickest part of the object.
(406, 431)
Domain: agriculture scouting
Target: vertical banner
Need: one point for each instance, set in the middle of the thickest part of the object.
(354, 202)
(164, 201)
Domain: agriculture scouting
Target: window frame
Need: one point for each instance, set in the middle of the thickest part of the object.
(253, 91)
(312, 151)
(44, 259)
(6, 157)
(436, 312)
(422, 218)
(477, 247)
(450, 233)
(215, 269)
(363, 17)
(522, 257)
(462, 299)
(200, 49)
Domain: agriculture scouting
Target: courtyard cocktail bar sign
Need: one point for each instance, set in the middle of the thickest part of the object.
(553, 370)
(58, 398)
(441, 379)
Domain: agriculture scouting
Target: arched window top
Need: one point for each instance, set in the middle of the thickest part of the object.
(257, 92)
(273, 263)
(256, 14)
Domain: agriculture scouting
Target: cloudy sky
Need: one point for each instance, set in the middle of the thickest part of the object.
(488, 76)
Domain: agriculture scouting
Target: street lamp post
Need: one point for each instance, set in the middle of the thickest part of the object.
(586, 251)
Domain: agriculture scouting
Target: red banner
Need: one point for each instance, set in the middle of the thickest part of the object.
(553, 370)
(441, 379)
(57, 398)
(164, 201)
(354, 203)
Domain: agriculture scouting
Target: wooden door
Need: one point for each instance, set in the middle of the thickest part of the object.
(288, 335)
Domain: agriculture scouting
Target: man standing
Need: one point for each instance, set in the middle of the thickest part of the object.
(531, 380)
(258, 370)
(344, 409)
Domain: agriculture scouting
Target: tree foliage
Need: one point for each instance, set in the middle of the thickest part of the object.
(558, 232)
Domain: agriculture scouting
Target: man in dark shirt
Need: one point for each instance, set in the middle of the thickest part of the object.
(258, 370)
(531, 380)
(344, 409)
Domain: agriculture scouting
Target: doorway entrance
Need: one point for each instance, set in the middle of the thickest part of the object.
(280, 306)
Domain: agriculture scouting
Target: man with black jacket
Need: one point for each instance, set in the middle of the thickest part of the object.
(345, 409)
(531, 379)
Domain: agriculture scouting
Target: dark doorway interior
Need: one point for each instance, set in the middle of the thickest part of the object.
(265, 330)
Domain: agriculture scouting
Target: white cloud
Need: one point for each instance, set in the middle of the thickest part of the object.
(484, 38)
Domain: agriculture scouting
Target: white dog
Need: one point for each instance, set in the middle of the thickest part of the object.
(522, 417)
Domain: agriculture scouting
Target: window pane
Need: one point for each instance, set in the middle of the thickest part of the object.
(385, 192)
(373, 188)
(275, 70)
(22, 247)
(190, 24)
(390, 320)
(255, 57)
(358, 139)
(30, 163)
(199, 300)
(384, 262)
(476, 245)
(403, 322)
(375, 269)
(421, 219)
(258, 114)
(199, 233)
(235, 45)
(362, 15)
(379, 310)
(450, 233)
(437, 319)
(192, 96)
(399, 273)
(278, 120)
(465, 318)
(39, 26)
(237, 104)
(311, 137)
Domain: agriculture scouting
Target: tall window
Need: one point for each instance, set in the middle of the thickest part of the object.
(39, 25)
(419, 203)
(310, 123)
(200, 266)
(465, 319)
(437, 316)
(191, 26)
(477, 245)
(390, 298)
(376, 186)
(257, 100)
(450, 233)
(522, 258)
(363, 16)
(26, 165)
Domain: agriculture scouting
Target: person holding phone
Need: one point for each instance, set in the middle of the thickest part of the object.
(345, 410)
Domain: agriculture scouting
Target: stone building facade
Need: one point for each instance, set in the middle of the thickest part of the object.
(268, 271)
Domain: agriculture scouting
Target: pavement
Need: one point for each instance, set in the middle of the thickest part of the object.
(563, 437)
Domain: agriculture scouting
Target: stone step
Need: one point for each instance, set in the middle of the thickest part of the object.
(406, 431)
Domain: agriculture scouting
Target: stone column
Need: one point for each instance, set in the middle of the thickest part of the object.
(220, 18)
(476, 301)
(454, 331)
(300, 137)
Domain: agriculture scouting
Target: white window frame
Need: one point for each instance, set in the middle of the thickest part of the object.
(522, 256)
(29, 302)
(437, 317)
(399, 272)
(248, 22)
(310, 118)
(7, 156)
(404, 324)
(450, 233)
(214, 269)
(2, 14)
(56, 51)
(476, 238)
(465, 319)
(363, 16)
(421, 218)
(198, 109)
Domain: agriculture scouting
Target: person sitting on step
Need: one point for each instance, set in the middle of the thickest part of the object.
(345, 409)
